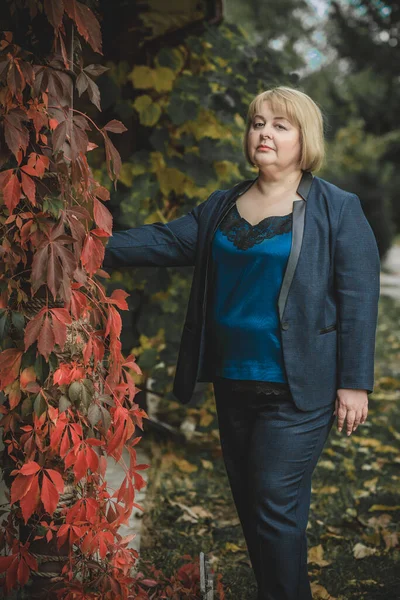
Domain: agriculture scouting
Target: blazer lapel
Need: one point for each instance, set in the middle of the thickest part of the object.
(299, 211)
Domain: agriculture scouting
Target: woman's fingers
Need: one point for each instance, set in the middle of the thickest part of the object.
(353, 418)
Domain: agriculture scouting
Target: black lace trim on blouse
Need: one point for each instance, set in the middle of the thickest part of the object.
(259, 387)
(245, 236)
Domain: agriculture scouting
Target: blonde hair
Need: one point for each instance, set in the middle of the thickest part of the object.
(304, 113)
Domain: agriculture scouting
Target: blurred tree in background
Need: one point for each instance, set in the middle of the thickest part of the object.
(360, 93)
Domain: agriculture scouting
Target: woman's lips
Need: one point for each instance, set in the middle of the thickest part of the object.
(264, 148)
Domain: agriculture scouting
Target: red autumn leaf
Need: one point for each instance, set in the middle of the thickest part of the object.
(42, 163)
(79, 304)
(5, 562)
(95, 70)
(102, 193)
(62, 315)
(114, 323)
(31, 500)
(28, 375)
(33, 328)
(94, 93)
(10, 363)
(92, 254)
(118, 298)
(115, 126)
(14, 396)
(54, 10)
(53, 261)
(102, 216)
(86, 23)
(49, 495)
(53, 124)
(113, 158)
(79, 142)
(59, 136)
(5, 178)
(56, 479)
(23, 572)
(29, 170)
(20, 487)
(60, 332)
(29, 468)
(15, 132)
(28, 187)
(46, 339)
(12, 193)
(81, 83)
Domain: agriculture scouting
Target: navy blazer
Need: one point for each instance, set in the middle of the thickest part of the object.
(328, 301)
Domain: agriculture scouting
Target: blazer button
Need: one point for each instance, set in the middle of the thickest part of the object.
(285, 325)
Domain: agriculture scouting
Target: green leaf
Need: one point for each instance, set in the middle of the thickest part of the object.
(53, 362)
(75, 391)
(4, 326)
(41, 368)
(26, 407)
(63, 403)
(18, 320)
(94, 414)
(181, 110)
(53, 206)
(39, 405)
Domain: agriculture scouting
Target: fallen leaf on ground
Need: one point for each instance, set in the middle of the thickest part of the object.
(361, 551)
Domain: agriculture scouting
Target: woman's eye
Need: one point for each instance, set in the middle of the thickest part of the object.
(259, 123)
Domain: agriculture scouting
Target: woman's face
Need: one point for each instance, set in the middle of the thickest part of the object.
(273, 141)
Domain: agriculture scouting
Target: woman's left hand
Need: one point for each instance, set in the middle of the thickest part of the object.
(351, 405)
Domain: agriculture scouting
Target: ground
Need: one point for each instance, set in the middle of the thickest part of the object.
(353, 531)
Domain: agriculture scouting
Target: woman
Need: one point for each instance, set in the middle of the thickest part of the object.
(281, 318)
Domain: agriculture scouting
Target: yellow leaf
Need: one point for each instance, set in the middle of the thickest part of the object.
(328, 489)
(370, 442)
(149, 111)
(233, 547)
(227, 170)
(316, 555)
(320, 593)
(126, 174)
(371, 484)
(170, 179)
(361, 551)
(185, 466)
(239, 120)
(376, 507)
(138, 168)
(206, 418)
(157, 161)
(207, 464)
(163, 79)
(153, 217)
(206, 125)
(387, 449)
(327, 464)
(141, 77)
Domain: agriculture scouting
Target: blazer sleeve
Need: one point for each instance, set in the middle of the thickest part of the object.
(158, 244)
(357, 282)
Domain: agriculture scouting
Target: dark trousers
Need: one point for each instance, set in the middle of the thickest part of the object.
(270, 449)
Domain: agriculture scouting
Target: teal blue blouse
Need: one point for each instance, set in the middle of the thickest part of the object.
(248, 265)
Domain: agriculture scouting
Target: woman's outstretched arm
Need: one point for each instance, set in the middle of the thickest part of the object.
(158, 244)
